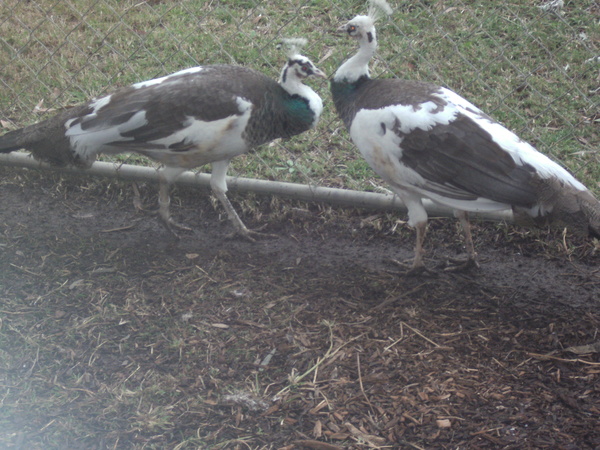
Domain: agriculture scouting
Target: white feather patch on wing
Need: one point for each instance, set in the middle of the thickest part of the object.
(96, 105)
(209, 141)
(383, 152)
(367, 125)
(157, 81)
(92, 140)
(382, 149)
(520, 151)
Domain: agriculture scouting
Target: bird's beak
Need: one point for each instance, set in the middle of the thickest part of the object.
(319, 73)
(342, 29)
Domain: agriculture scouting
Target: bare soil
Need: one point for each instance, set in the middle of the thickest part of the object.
(115, 335)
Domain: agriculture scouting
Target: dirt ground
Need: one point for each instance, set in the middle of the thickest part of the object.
(115, 335)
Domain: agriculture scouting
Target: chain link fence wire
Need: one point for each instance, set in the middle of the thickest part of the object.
(533, 66)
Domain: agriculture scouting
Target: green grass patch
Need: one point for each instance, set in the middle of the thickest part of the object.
(531, 69)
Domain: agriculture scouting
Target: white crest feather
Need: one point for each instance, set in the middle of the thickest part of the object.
(292, 46)
(379, 8)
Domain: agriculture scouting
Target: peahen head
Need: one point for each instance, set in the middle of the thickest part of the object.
(298, 67)
(362, 29)
(304, 103)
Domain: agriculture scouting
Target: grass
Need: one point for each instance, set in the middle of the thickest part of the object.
(528, 68)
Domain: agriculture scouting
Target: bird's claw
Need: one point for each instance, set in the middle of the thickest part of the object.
(173, 226)
(410, 270)
(461, 265)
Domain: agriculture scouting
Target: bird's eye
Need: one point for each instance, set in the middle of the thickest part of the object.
(304, 68)
(351, 28)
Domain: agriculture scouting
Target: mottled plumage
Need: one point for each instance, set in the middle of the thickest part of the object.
(428, 142)
(200, 115)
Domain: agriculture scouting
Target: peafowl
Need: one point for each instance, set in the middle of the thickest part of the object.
(426, 141)
(200, 115)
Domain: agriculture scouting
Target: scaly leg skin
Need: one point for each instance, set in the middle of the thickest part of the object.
(417, 218)
(418, 267)
(137, 200)
(165, 176)
(471, 261)
(164, 212)
(218, 184)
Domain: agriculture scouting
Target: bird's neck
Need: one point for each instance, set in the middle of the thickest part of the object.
(296, 89)
(358, 65)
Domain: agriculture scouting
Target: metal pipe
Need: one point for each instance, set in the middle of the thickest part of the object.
(310, 193)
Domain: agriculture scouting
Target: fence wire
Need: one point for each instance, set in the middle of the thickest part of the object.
(532, 65)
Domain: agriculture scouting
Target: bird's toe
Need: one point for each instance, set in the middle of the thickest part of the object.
(461, 265)
(172, 226)
(251, 235)
(410, 269)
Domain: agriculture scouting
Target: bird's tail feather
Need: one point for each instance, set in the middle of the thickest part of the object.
(564, 206)
(590, 207)
(579, 211)
(10, 141)
(46, 140)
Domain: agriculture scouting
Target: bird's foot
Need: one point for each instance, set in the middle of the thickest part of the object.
(251, 235)
(172, 226)
(412, 270)
(137, 199)
(461, 265)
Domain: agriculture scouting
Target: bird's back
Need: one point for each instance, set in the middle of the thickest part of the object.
(372, 94)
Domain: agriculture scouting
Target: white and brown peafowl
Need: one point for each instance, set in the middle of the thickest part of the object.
(426, 141)
(206, 114)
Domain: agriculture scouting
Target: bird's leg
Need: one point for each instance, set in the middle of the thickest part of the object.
(417, 218)
(417, 267)
(218, 184)
(165, 175)
(164, 202)
(471, 261)
(137, 197)
(163, 210)
(421, 229)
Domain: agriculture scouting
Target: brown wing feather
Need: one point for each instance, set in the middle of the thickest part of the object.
(464, 158)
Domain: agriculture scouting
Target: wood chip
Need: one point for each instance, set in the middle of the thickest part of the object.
(585, 349)
(443, 423)
(317, 445)
(376, 441)
(318, 429)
